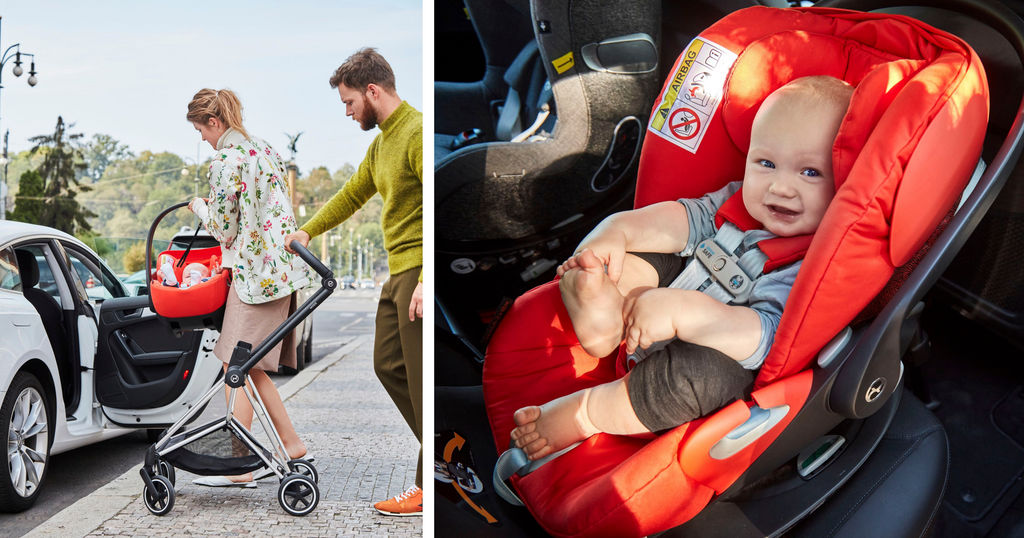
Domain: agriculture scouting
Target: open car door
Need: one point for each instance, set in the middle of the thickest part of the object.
(144, 376)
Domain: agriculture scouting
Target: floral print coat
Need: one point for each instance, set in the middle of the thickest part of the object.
(249, 211)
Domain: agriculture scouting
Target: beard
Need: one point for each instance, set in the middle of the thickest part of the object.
(368, 119)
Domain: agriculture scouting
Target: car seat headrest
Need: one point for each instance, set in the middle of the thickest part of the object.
(28, 267)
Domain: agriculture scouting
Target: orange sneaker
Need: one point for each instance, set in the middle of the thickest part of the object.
(409, 503)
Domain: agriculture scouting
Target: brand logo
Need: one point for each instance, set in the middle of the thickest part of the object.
(875, 390)
(736, 282)
(707, 250)
(234, 378)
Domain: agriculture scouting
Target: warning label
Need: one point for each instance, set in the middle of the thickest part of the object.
(692, 96)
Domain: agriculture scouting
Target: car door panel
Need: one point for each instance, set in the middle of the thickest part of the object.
(141, 370)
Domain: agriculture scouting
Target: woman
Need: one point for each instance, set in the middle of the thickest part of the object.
(249, 212)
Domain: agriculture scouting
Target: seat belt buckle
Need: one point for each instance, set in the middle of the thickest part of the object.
(725, 270)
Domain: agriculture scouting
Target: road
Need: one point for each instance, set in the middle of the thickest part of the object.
(72, 475)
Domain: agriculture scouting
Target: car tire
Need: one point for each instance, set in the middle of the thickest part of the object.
(24, 390)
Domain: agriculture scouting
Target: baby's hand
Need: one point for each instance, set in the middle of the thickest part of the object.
(649, 318)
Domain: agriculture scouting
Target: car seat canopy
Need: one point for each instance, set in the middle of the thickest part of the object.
(904, 153)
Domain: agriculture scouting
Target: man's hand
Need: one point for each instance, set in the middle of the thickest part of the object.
(416, 305)
(300, 236)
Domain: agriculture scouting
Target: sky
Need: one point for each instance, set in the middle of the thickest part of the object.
(129, 69)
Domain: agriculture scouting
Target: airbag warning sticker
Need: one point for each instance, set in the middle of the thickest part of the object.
(692, 96)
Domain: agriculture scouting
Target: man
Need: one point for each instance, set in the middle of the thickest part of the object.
(393, 167)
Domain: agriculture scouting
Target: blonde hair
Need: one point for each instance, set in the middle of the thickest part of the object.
(823, 89)
(221, 104)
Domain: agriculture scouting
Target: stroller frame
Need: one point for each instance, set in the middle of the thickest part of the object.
(298, 493)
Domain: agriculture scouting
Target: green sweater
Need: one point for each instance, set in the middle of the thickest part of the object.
(393, 167)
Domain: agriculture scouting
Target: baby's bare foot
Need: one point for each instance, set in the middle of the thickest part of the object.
(553, 426)
(594, 304)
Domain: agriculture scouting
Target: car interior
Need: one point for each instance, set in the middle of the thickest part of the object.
(941, 456)
(36, 263)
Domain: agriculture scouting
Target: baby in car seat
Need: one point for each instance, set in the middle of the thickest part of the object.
(622, 282)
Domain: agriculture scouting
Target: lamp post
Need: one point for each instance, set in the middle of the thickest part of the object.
(195, 180)
(31, 82)
(3, 186)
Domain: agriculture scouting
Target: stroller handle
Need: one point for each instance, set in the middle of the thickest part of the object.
(312, 260)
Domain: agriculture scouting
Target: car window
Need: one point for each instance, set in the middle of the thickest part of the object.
(46, 282)
(100, 283)
(10, 278)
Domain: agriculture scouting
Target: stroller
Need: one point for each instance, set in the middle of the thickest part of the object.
(224, 446)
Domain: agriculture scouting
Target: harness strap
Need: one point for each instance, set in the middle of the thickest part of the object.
(514, 461)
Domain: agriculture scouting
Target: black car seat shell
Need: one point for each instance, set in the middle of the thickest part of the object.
(506, 190)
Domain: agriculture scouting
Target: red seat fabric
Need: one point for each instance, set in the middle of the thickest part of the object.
(904, 153)
(195, 301)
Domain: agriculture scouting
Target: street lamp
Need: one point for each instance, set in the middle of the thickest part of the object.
(31, 82)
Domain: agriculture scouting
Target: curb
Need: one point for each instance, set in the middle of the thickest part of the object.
(91, 511)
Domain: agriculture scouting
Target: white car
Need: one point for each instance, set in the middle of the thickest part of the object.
(77, 365)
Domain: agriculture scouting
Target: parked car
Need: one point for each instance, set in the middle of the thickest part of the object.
(367, 284)
(77, 367)
(348, 282)
(135, 281)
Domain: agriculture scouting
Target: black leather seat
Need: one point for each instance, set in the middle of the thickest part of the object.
(51, 313)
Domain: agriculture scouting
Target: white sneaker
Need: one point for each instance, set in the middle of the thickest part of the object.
(222, 482)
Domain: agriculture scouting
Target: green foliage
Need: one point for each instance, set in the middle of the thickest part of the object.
(135, 258)
(100, 152)
(28, 204)
(59, 170)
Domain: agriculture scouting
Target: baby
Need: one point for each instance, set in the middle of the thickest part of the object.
(615, 286)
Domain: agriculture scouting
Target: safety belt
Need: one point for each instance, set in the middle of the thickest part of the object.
(518, 78)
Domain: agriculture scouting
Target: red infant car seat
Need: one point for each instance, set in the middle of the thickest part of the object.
(904, 153)
(197, 307)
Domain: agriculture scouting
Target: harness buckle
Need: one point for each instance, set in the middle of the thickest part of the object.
(725, 270)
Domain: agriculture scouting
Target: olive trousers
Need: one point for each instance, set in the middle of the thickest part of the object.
(398, 353)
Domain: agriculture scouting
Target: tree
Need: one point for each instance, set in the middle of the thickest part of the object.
(135, 258)
(28, 204)
(59, 169)
(100, 152)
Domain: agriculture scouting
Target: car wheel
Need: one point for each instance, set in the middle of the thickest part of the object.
(25, 418)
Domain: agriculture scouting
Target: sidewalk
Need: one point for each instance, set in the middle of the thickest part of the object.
(364, 452)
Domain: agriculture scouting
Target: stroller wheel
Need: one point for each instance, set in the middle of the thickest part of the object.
(165, 470)
(161, 501)
(304, 468)
(298, 495)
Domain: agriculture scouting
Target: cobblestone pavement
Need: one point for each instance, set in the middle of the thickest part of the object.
(364, 452)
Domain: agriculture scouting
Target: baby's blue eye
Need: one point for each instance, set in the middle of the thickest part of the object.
(766, 163)
(810, 172)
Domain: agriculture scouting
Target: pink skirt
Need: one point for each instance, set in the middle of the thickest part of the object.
(253, 323)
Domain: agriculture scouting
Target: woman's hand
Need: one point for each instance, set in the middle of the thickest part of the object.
(192, 203)
(300, 236)
(416, 305)
(651, 317)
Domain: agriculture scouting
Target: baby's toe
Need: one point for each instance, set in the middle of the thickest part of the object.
(525, 417)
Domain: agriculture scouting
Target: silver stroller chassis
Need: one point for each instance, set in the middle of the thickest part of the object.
(298, 493)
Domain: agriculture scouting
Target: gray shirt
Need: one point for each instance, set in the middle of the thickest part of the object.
(771, 290)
